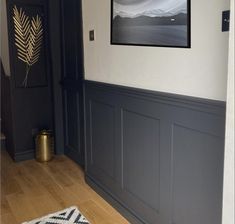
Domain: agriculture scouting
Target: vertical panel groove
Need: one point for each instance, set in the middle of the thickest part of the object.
(122, 168)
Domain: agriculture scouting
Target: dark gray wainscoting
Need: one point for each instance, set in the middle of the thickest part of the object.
(157, 157)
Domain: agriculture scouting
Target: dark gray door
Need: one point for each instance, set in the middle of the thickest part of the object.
(73, 78)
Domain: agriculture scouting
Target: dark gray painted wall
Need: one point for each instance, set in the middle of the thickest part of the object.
(159, 156)
(33, 107)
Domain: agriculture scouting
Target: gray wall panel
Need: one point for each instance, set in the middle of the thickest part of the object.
(101, 158)
(197, 165)
(141, 132)
(160, 156)
(102, 132)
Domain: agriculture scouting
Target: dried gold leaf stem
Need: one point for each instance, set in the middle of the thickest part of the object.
(28, 39)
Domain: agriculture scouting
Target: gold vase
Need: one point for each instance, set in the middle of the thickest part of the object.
(44, 146)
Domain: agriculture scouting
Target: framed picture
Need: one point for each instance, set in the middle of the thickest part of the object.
(163, 23)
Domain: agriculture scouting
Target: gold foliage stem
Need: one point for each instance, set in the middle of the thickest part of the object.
(28, 38)
(25, 82)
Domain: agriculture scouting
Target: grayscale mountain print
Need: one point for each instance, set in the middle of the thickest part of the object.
(150, 22)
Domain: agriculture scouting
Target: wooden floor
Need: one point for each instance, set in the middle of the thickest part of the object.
(30, 190)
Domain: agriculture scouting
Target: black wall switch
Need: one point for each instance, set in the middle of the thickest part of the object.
(225, 20)
(92, 35)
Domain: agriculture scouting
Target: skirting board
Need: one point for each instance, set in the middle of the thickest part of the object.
(22, 156)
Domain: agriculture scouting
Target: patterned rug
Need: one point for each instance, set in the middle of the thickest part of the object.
(68, 216)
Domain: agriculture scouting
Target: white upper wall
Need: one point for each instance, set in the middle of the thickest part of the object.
(4, 38)
(200, 71)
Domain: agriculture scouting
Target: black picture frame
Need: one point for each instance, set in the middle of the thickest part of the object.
(188, 35)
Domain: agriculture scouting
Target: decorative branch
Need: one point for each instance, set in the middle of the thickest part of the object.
(28, 39)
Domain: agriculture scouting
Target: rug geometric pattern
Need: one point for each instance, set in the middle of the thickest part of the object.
(68, 216)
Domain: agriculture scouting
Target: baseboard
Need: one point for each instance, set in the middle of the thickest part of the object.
(22, 156)
(124, 211)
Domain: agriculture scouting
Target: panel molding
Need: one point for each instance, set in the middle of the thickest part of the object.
(125, 187)
(135, 112)
(200, 104)
(218, 176)
(90, 114)
(101, 159)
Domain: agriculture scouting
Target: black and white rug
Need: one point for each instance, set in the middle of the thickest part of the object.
(68, 216)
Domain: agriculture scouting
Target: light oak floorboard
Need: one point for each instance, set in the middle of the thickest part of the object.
(30, 190)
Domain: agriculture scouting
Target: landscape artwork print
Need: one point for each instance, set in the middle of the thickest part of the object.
(151, 22)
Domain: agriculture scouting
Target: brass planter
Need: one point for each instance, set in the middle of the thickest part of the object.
(44, 146)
